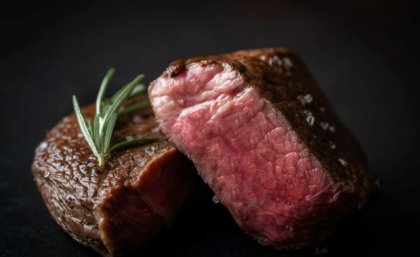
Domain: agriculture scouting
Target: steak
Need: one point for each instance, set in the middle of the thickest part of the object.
(265, 139)
(125, 205)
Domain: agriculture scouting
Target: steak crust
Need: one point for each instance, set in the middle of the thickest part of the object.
(125, 205)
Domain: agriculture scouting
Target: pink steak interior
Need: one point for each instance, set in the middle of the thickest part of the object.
(246, 150)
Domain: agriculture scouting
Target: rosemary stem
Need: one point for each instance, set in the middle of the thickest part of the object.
(135, 107)
(101, 161)
(98, 131)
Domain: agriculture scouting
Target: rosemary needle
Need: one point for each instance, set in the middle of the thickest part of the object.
(98, 131)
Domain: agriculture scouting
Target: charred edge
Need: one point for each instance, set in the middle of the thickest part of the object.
(175, 68)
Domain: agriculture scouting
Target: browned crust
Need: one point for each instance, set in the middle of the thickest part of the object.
(77, 194)
(133, 215)
(282, 79)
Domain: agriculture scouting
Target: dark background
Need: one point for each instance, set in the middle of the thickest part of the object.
(364, 54)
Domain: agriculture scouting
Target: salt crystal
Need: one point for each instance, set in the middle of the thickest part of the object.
(215, 199)
(342, 161)
(150, 150)
(324, 125)
(305, 99)
(41, 146)
(310, 119)
(287, 62)
(275, 60)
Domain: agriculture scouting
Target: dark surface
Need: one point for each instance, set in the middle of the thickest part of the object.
(364, 55)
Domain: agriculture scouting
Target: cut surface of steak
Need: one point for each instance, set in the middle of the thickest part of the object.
(125, 205)
(265, 139)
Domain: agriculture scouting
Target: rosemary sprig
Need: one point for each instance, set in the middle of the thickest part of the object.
(98, 131)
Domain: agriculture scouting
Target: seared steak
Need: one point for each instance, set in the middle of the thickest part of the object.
(265, 139)
(123, 206)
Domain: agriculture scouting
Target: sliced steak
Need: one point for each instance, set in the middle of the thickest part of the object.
(122, 207)
(265, 139)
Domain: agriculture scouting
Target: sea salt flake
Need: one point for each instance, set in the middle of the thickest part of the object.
(342, 161)
(332, 145)
(150, 151)
(287, 63)
(275, 60)
(324, 125)
(215, 200)
(310, 119)
(305, 99)
(41, 146)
